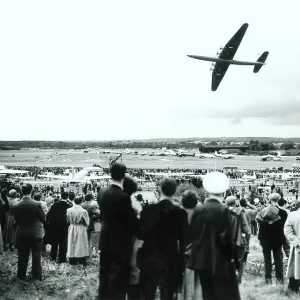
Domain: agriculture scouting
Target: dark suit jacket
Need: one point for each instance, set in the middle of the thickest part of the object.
(163, 226)
(29, 218)
(3, 209)
(272, 235)
(211, 238)
(119, 222)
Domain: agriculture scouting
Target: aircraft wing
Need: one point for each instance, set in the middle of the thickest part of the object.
(9, 171)
(94, 177)
(218, 73)
(227, 53)
(55, 177)
(232, 46)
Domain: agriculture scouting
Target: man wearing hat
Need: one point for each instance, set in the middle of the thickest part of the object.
(271, 236)
(212, 256)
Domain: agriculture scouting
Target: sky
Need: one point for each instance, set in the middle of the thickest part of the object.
(106, 70)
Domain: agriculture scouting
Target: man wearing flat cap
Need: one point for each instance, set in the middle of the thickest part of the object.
(212, 256)
(271, 236)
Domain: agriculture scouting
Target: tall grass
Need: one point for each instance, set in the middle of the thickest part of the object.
(62, 281)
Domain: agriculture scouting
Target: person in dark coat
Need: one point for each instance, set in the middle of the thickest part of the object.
(240, 230)
(57, 228)
(271, 236)
(119, 225)
(212, 255)
(3, 216)
(161, 258)
(29, 218)
(134, 293)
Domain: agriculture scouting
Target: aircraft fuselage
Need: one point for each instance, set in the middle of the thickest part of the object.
(227, 61)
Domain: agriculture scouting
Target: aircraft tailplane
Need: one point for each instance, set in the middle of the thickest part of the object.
(261, 59)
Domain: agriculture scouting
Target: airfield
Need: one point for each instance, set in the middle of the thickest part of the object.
(73, 158)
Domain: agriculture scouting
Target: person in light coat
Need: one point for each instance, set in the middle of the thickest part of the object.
(292, 233)
(78, 246)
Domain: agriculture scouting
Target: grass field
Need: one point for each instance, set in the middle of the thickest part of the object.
(76, 282)
(48, 158)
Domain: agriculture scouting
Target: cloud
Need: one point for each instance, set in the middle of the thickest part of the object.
(283, 110)
(281, 113)
(236, 121)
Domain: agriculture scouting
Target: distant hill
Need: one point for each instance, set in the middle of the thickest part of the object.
(146, 143)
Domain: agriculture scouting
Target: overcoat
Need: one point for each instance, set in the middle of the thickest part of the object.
(292, 233)
(78, 219)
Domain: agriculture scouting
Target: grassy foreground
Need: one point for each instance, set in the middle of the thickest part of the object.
(76, 282)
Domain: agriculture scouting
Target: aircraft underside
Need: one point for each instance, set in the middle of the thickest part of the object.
(226, 61)
(224, 58)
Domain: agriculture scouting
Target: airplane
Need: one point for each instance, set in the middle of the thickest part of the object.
(5, 171)
(204, 155)
(281, 176)
(225, 156)
(272, 158)
(225, 58)
(169, 174)
(182, 153)
(171, 153)
(248, 178)
(81, 176)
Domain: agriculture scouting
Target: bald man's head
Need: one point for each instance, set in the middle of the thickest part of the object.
(274, 197)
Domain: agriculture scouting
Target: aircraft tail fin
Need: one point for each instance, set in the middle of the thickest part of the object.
(72, 174)
(261, 59)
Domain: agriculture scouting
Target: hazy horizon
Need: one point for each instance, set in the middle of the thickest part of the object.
(119, 70)
(160, 138)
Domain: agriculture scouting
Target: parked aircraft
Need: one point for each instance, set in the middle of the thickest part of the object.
(225, 58)
(169, 174)
(281, 176)
(205, 155)
(248, 178)
(5, 171)
(182, 153)
(272, 158)
(81, 176)
(224, 156)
